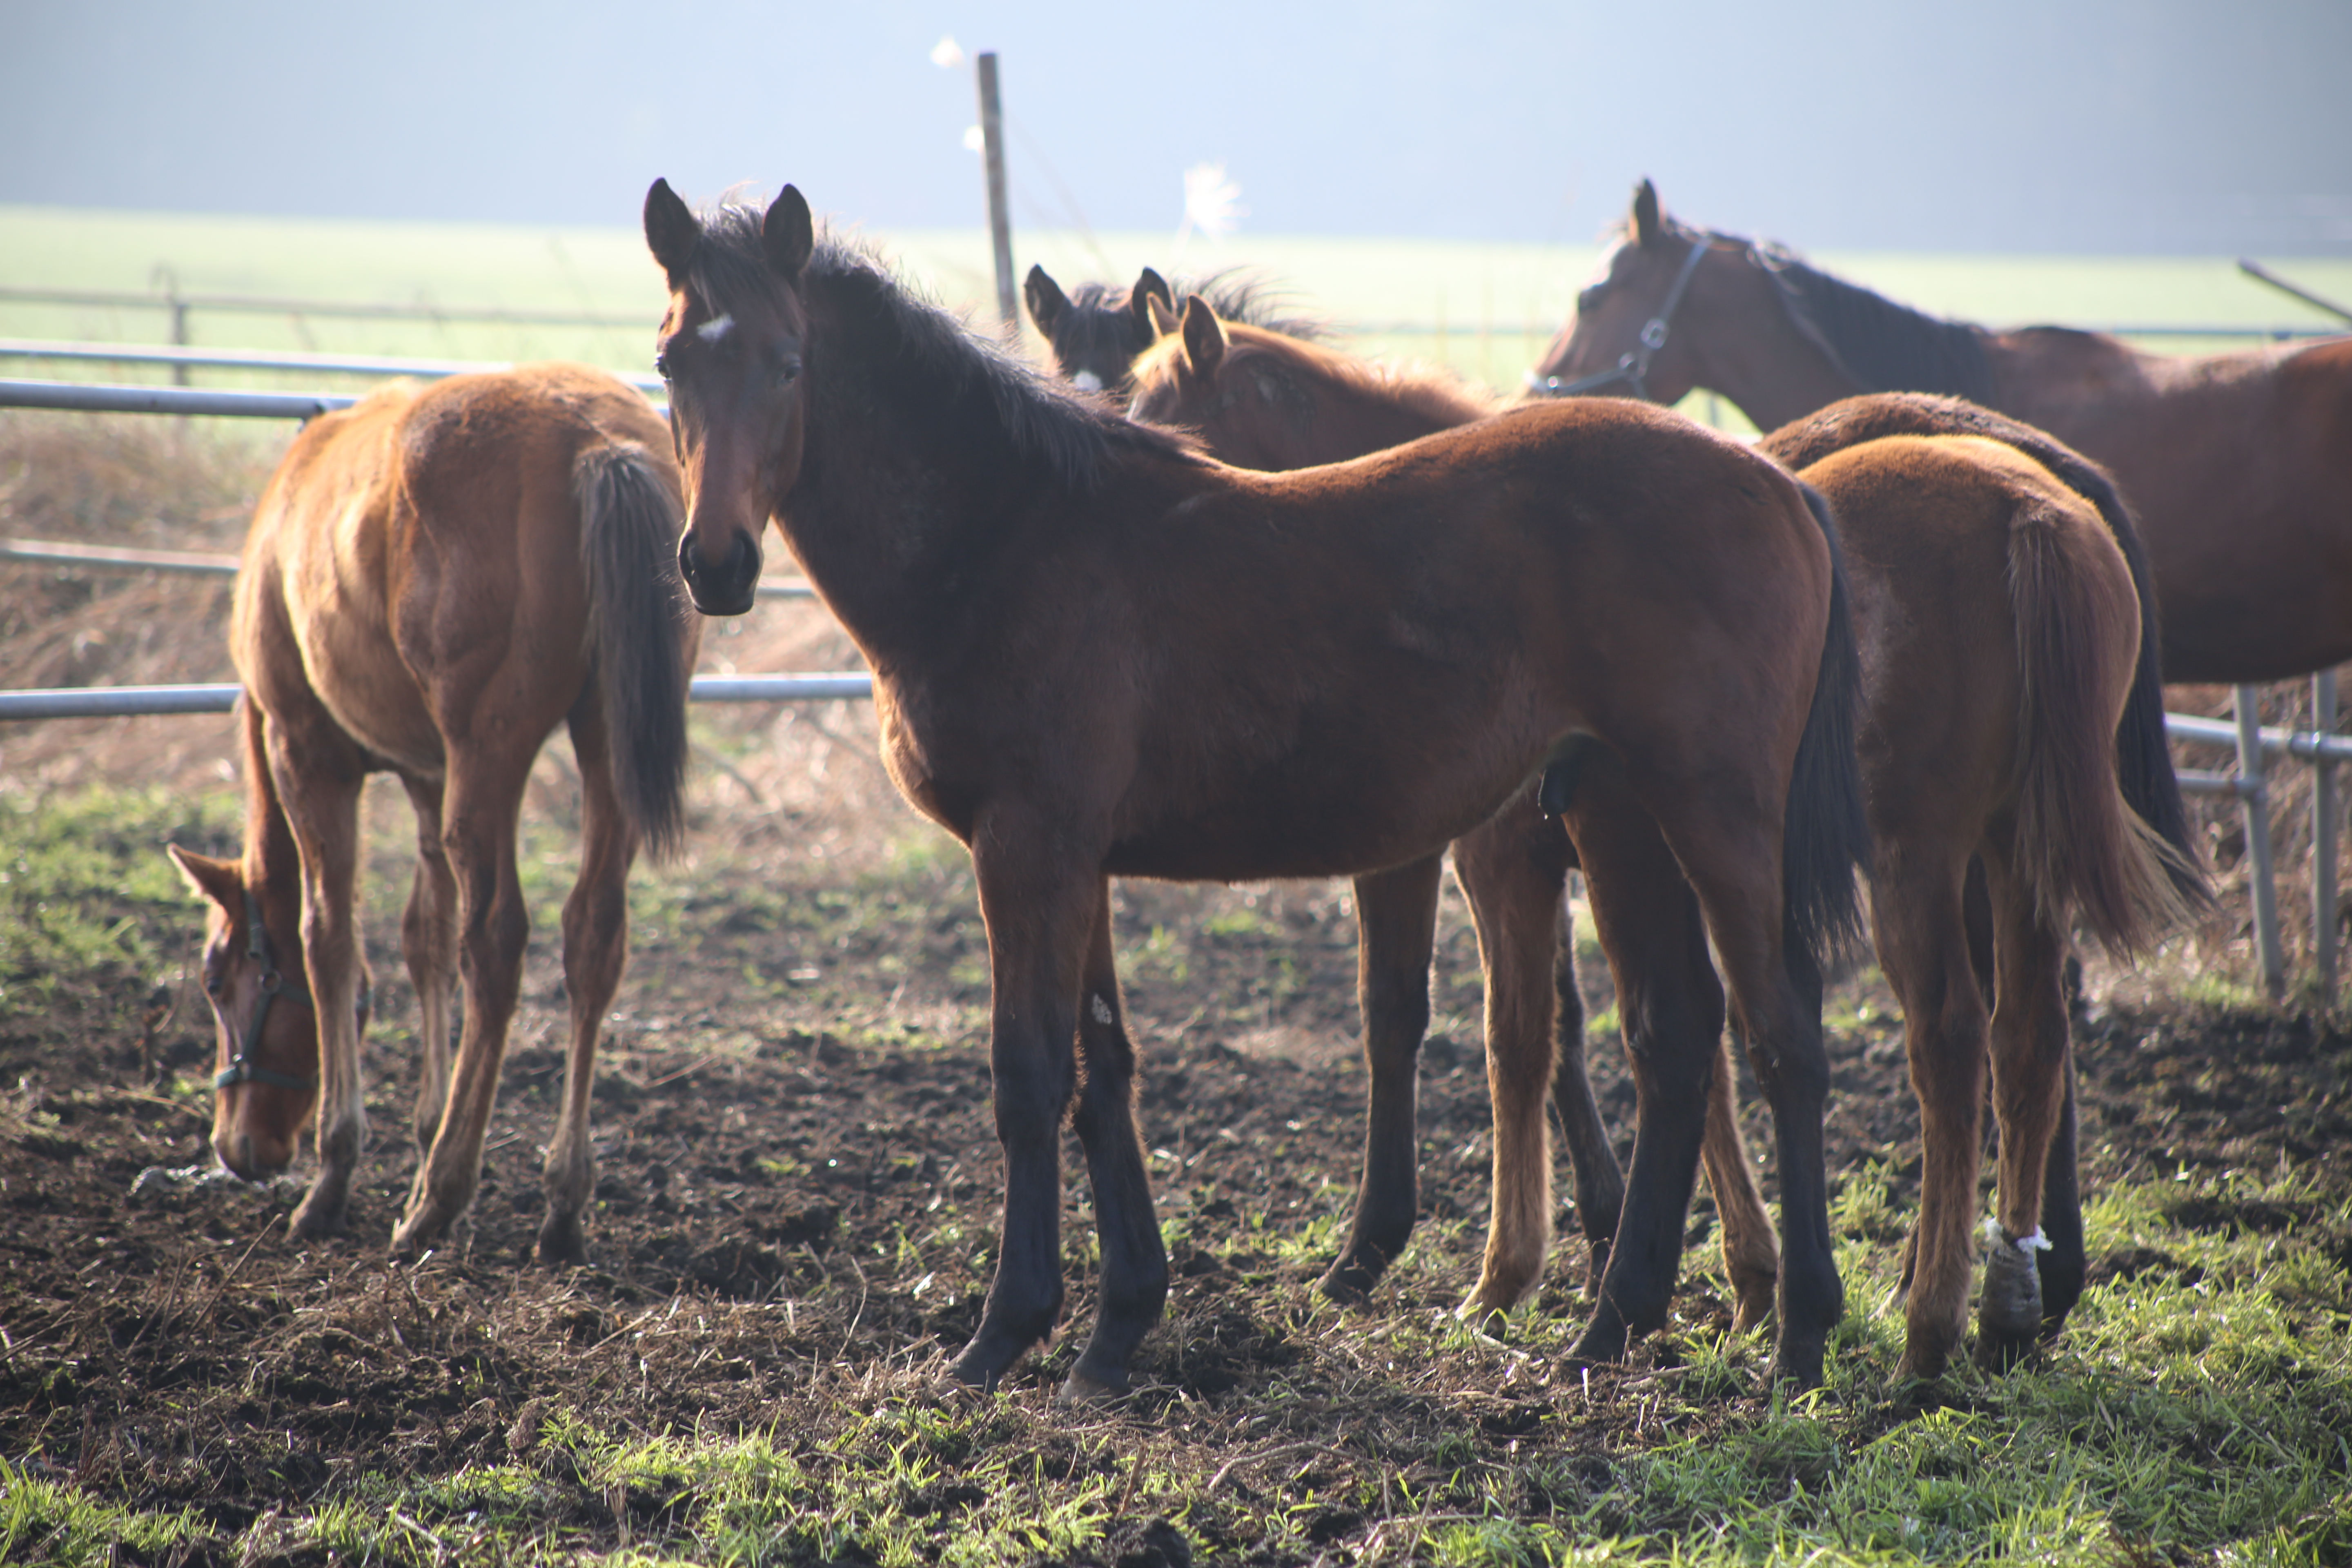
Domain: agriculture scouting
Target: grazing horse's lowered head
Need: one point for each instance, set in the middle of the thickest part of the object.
(265, 1023)
(745, 454)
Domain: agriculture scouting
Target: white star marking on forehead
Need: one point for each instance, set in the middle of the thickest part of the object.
(1087, 381)
(710, 331)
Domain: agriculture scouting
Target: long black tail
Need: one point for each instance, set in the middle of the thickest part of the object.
(638, 614)
(2143, 759)
(1827, 837)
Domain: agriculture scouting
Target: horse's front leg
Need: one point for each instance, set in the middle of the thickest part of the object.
(319, 775)
(1038, 902)
(1396, 931)
(1134, 1259)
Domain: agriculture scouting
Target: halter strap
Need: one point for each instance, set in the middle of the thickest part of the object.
(1632, 367)
(241, 1068)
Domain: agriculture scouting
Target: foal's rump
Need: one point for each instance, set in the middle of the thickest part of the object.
(471, 555)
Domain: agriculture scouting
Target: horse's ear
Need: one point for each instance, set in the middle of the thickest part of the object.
(221, 882)
(1204, 336)
(1162, 317)
(1649, 227)
(672, 231)
(1151, 289)
(788, 233)
(1046, 300)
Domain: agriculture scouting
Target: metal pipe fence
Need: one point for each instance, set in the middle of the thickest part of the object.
(140, 701)
(2251, 743)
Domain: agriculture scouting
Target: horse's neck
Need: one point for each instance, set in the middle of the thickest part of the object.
(898, 511)
(1774, 375)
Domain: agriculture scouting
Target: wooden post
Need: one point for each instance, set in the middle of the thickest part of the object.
(2324, 816)
(2253, 802)
(999, 222)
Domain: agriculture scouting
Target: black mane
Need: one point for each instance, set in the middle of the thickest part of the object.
(927, 355)
(1885, 347)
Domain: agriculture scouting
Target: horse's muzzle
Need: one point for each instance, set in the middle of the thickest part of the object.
(726, 588)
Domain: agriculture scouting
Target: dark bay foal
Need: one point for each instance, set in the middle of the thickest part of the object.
(1098, 653)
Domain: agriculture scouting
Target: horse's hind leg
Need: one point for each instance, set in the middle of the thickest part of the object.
(1751, 1257)
(1777, 993)
(1396, 931)
(429, 940)
(2029, 1073)
(595, 950)
(1513, 869)
(1134, 1260)
(2064, 1265)
(1671, 1006)
(1592, 1162)
(480, 805)
(1922, 934)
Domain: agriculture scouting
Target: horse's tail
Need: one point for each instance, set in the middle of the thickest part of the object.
(2143, 755)
(637, 614)
(1826, 837)
(2081, 843)
(2143, 759)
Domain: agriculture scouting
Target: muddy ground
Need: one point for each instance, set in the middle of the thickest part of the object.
(798, 1174)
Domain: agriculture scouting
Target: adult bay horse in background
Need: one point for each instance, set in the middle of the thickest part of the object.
(1998, 604)
(1096, 331)
(1098, 653)
(436, 578)
(2238, 466)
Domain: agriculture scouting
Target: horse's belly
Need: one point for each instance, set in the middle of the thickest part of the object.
(360, 676)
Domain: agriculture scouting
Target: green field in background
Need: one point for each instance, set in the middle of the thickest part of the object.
(1484, 310)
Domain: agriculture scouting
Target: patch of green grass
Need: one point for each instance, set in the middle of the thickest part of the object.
(86, 893)
(42, 1520)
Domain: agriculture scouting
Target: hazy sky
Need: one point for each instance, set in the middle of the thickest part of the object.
(2060, 125)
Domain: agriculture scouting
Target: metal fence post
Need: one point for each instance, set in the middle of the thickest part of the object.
(2253, 803)
(999, 222)
(2324, 814)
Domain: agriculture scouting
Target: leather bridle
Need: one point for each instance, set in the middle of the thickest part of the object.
(1632, 367)
(241, 1067)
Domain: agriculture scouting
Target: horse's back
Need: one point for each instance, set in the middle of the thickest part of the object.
(425, 545)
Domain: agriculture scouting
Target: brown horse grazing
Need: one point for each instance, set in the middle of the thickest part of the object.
(1933, 798)
(2238, 466)
(1097, 331)
(436, 578)
(1098, 653)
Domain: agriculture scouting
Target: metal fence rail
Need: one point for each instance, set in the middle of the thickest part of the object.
(48, 552)
(135, 702)
(90, 398)
(268, 359)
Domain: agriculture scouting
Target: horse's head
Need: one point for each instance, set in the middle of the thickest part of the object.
(731, 353)
(1622, 341)
(265, 1026)
(1193, 377)
(1096, 334)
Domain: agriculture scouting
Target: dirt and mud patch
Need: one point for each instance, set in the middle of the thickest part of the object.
(798, 1172)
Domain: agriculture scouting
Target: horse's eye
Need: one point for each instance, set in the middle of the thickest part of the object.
(212, 985)
(788, 369)
(661, 366)
(1588, 298)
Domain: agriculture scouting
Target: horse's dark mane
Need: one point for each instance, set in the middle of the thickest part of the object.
(1885, 347)
(926, 353)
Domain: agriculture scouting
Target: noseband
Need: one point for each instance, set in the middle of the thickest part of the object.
(241, 1068)
(1633, 365)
